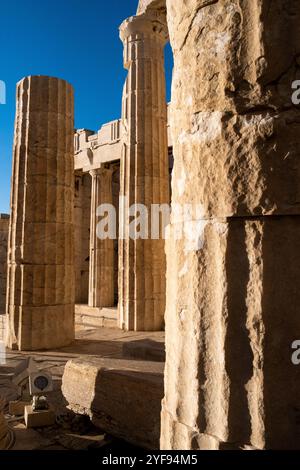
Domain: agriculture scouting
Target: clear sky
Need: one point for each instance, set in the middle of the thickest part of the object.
(71, 39)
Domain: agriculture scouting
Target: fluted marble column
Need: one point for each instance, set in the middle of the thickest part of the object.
(233, 280)
(144, 171)
(40, 285)
(101, 277)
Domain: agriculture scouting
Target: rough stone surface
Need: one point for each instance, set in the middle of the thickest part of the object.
(122, 397)
(234, 63)
(145, 6)
(233, 281)
(229, 342)
(40, 303)
(144, 172)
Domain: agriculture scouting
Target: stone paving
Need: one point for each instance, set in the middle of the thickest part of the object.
(71, 431)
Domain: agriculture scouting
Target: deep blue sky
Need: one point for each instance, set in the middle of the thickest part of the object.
(70, 39)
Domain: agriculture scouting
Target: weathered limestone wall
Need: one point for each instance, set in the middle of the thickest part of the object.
(233, 294)
(4, 223)
(95, 149)
(144, 171)
(145, 6)
(40, 301)
(82, 211)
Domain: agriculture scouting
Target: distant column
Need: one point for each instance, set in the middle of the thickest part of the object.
(101, 280)
(40, 292)
(78, 229)
(144, 171)
(82, 214)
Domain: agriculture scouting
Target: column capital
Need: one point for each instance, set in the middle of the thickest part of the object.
(146, 25)
(100, 171)
(95, 172)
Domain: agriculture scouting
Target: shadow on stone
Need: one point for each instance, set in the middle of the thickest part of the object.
(122, 397)
(145, 349)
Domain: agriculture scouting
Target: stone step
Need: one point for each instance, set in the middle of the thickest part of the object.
(122, 397)
(95, 317)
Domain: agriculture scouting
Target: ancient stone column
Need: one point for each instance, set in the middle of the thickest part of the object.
(82, 215)
(144, 173)
(101, 277)
(40, 285)
(78, 230)
(233, 290)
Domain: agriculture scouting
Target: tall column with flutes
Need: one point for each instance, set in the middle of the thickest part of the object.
(144, 174)
(40, 285)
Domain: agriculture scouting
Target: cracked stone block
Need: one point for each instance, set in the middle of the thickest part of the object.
(121, 397)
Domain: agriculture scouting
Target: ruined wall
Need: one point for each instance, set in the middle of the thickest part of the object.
(4, 223)
(233, 282)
